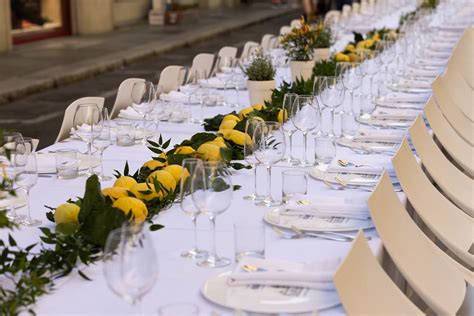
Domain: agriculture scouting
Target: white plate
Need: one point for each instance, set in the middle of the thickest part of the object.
(351, 178)
(267, 299)
(370, 146)
(408, 89)
(315, 224)
(385, 123)
(19, 200)
(47, 162)
(399, 105)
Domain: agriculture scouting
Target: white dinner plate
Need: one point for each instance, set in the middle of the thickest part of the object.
(370, 145)
(315, 224)
(267, 299)
(386, 123)
(19, 200)
(47, 162)
(353, 177)
(399, 105)
(405, 88)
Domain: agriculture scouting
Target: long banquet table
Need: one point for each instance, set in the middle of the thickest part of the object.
(180, 280)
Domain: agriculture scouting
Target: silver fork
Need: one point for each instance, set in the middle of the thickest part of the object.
(297, 230)
(288, 235)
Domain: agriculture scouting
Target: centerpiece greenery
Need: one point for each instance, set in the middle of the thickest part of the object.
(261, 79)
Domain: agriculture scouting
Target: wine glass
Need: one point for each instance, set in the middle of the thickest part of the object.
(158, 112)
(86, 127)
(369, 68)
(143, 98)
(249, 156)
(130, 263)
(102, 141)
(224, 72)
(7, 175)
(332, 96)
(26, 170)
(318, 82)
(304, 114)
(189, 166)
(194, 88)
(269, 140)
(288, 125)
(212, 190)
(351, 77)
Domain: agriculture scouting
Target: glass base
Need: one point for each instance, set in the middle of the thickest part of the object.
(269, 203)
(292, 161)
(253, 197)
(31, 222)
(305, 164)
(214, 262)
(105, 178)
(194, 253)
(16, 218)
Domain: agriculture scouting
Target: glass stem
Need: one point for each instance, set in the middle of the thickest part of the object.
(101, 162)
(212, 219)
(194, 219)
(305, 140)
(371, 84)
(333, 128)
(202, 111)
(157, 123)
(237, 94)
(269, 183)
(290, 136)
(351, 108)
(89, 152)
(144, 129)
(28, 201)
(255, 180)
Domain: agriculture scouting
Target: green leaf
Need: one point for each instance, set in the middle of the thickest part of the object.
(156, 227)
(100, 222)
(67, 229)
(85, 277)
(237, 187)
(11, 241)
(93, 197)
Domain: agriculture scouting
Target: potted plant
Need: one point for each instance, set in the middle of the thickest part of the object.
(261, 80)
(299, 45)
(324, 41)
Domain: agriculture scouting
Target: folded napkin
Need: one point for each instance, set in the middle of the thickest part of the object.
(178, 96)
(413, 83)
(400, 116)
(130, 114)
(381, 136)
(366, 166)
(423, 72)
(442, 46)
(315, 275)
(436, 54)
(406, 97)
(431, 62)
(323, 206)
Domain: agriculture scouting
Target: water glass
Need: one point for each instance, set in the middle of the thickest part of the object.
(143, 97)
(293, 182)
(125, 133)
(249, 240)
(324, 150)
(175, 309)
(304, 115)
(67, 164)
(288, 127)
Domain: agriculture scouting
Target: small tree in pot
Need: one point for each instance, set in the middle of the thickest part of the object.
(261, 80)
(324, 40)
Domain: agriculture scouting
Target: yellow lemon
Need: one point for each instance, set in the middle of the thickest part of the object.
(245, 112)
(258, 106)
(369, 43)
(210, 152)
(353, 57)
(218, 140)
(139, 189)
(115, 192)
(224, 132)
(154, 164)
(229, 124)
(176, 171)
(376, 36)
(184, 150)
(230, 117)
(350, 48)
(166, 180)
(340, 57)
(360, 45)
(217, 143)
(67, 213)
(282, 117)
(239, 138)
(138, 208)
(125, 182)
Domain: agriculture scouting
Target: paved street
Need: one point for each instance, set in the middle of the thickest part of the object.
(40, 115)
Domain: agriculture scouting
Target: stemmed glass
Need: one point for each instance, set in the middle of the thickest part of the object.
(86, 127)
(189, 166)
(194, 88)
(369, 68)
(385, 55)
(318, 82)
(143, 100)
(102, 141)
(224, 72)
(269, 142)
(288, 127)
(130, 263)
(249, 155)
(158, 111)
(351, 77)
(304, 114)
(26, 170)
(7, 175)
(212, 190)
(332, 96)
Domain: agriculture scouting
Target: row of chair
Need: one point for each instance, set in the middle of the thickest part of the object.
(431, 240)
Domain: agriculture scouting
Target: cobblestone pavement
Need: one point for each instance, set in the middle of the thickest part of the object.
(40, 115)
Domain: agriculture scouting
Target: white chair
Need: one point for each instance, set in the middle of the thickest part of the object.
(365, 289)
(285, 30)
(171, 78)
(203, 62)
(296, 23)
(459, 150)
(346, 11)
(355, 8)
(450, 225)
(274, 42)
(123, 98)
(428, 270)
(68, 119)
(461, 59)
(227, 51)
(453, 114)
(460, 92)
(248, 48)
(332, 17)
(452, 181)
(266, 41)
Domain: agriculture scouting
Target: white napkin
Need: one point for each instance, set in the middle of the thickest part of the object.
(401, 115)
(324, 206)
(412, 83)
(130, 114)
(442, 46)
(316, 275)
(178, 96)
(406, 97)
(431, 62)
(424, 72)
(46, 163)
(370, 167)
(381, 136)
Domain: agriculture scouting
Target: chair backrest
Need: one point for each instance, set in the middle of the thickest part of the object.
(346, 11)
(460, 92)
(123, 98)
(461, 59)
(204, 62)
(450, 225)
(355, 8)
(227, 51)
(285, 29)
(273, 42)
(453, 182)
(453, 114)
(266, 41)
(365, 289)
(296, 23)
(332, 16)
(68, 119)
(455, 146)
(171, 78)
(439, 284)
(248, 47)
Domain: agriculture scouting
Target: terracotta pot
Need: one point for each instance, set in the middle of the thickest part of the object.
(260, 91)
(321, 54)
(301, 69)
